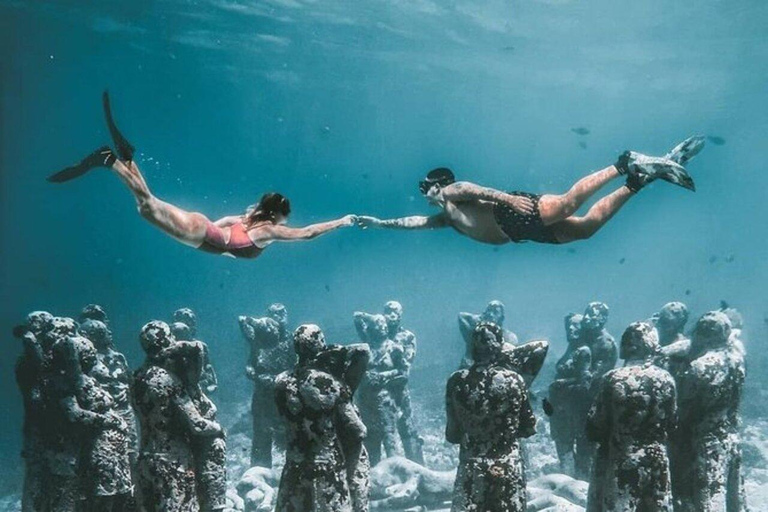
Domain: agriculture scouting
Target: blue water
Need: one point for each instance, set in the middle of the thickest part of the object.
(343, 106)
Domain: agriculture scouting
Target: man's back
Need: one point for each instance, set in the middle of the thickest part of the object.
(475, 219)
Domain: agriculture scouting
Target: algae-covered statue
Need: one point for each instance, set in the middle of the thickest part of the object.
(383, 383)
(29, 370)
(403, 341)
(270, 353)
(707, 474)
(569, 399)
(494, 313)
(184, 328)
(105, 467)
(601, 344)
(631, 418)
(187, 360)
(61, 446)
(114, 374)
(348, 364)
(312, 401)
(488, 412)
(93, 312)
(169, 419)
(670, 323)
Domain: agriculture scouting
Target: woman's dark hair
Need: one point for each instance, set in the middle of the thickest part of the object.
(268, 208)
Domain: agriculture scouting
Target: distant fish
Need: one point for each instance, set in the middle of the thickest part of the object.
(622, 260)
(366, 175)
(508, 49)
(712, 259)
(716, 140)
(327, 288)
(495, 249)
(582, 144)
(687, 292)
(730, 258)
(581, 130)
(571, 250)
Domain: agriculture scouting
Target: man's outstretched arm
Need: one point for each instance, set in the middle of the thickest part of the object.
(466, 191)
(413, 222)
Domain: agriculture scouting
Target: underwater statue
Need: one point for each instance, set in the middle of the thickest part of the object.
(348, 364)
(707, 475)
(633, 413)
(674, 344)
(93, 312)
(601, 344)
(384, 381)
(488, 412)
(270, 354)
(29, 370)
(114, 375)
(61, 447)
(495, 217)
(237, 236)
(670, 323)
(169, 419)
(184, 328)
(105, 467)
(495, 314)
(393, 314)
(311, 402)
(187, 359)
(188, 317)
(569, 399)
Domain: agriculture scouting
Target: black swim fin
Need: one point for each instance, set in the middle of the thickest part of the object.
(124, 148)
(102, 157)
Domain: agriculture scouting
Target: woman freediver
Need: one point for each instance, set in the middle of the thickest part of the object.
(238, 236)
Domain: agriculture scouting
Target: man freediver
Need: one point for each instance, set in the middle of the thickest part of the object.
(495, 217)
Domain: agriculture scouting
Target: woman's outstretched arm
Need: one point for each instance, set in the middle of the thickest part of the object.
(289, 234)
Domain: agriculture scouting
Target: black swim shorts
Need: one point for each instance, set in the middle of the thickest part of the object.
(522, 227)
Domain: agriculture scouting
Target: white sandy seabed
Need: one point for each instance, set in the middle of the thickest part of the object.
(254, 489)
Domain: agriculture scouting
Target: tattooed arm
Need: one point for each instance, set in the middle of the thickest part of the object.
(413, 222)
(466, 191)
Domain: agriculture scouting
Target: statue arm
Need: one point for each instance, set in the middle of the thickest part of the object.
(598, 419)
(467, 323)
(350, 424)
(671, 406)
(195, 422)
(76, 415)
(409, 349)
(358, 356)
(453, 431)
(527, 426)
(563, 363)
(362, 321)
